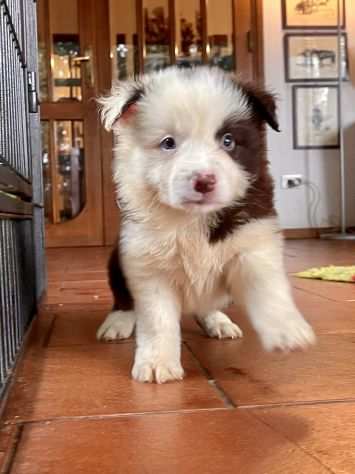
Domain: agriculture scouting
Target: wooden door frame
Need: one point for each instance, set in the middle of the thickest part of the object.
(111, 215)
(86, 229)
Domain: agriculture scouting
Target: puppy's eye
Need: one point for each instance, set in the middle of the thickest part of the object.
(228, 142)
(168, 143)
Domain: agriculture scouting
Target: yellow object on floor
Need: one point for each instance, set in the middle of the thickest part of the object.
(330, 273)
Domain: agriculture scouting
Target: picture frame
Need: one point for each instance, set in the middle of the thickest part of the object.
(313, 57)
(312, 14)
(315, 117)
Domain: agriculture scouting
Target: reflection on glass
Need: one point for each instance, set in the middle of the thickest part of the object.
(220, 34)
(70, 184)
(64, 31)
(66, 70)
(46, 170)
(156, 34)
(124, 39)
(188, 33)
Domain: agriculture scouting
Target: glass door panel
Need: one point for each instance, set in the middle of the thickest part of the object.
(188, 27)
(148, 35)
(123, 38)
(65, 48)
(63, 176)
(220, 45)
(157, 44)
(70, 165)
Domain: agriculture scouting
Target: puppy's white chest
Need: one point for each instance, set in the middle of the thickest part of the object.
(201, 262)
(185, 258)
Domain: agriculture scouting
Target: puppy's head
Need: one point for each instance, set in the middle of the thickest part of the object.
(193, 139)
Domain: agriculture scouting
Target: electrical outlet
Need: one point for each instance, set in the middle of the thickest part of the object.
(289, 181)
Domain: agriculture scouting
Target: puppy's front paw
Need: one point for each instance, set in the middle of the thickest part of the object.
(288, 333)
(161, 371)
(117, 325)
(217, 324)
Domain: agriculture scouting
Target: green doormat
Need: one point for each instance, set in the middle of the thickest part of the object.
(331, 273)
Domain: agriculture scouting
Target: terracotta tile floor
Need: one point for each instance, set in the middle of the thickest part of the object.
(74, 408)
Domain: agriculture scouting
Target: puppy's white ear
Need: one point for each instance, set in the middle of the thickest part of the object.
(122, 97)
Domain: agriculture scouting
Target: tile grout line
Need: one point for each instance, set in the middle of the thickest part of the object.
(294, 443)
(114, 416)
(227, 400)
(111, 416)
(10, 458)
(117, 416)
(335, 401)
(309, 292)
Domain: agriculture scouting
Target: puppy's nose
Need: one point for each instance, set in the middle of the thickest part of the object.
(205, 182)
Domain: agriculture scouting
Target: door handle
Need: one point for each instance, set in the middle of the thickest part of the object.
(81, 59)
(32, 92)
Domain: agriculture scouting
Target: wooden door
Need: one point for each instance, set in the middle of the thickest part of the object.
(72, 169)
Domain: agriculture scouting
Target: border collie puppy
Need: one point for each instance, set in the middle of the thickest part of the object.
(198, 224)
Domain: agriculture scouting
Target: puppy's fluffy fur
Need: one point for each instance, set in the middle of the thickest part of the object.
(198, 226)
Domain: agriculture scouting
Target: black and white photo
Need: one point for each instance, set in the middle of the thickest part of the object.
(314, 57)
(316, 117)
(316, 14)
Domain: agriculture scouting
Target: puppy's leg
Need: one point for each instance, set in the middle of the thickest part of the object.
(158, 336)
(119, 324)
(217, 324)
(258, 278)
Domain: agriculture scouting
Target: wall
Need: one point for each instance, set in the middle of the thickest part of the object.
(315, 205)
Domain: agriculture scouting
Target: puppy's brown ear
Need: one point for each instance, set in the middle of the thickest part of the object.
(263, 104)
(120, 102)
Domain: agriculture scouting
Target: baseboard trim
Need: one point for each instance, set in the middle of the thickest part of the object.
(307, 233)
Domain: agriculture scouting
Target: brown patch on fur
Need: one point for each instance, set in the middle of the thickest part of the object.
(122, 297)
(259, 203)
(250, 143)
(250, 152)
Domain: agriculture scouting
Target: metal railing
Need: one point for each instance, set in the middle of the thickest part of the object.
(22, 276)
(13, 130)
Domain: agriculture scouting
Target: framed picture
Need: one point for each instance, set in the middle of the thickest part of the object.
(314, 57)
(315, 14)
(315, 117)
